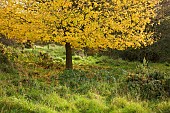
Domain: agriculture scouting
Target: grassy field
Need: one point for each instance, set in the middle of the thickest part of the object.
(34, 81)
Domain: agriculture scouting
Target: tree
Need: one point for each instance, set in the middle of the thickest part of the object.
(116, 24)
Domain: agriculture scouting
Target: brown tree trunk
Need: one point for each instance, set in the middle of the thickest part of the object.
(69, 64)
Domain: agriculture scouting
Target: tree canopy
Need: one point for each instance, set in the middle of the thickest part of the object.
(116, 24)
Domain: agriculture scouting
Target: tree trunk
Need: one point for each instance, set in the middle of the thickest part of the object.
(69, 64)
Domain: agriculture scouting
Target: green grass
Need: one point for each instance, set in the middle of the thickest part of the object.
(98, 84)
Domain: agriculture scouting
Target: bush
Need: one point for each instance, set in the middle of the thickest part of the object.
(7, 58)
(138, 54)
(45, 60)
(146, 83)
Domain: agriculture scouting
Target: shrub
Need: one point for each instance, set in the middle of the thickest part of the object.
(7, 59)
(45, 60)
(146, 83)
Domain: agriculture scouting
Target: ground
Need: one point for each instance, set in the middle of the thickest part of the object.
(36, 81)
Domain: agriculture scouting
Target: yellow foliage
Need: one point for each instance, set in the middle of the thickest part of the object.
(115, 24)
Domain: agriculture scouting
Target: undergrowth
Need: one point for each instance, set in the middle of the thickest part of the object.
(36, 82)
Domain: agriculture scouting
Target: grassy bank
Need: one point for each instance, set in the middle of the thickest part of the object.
(36, 82)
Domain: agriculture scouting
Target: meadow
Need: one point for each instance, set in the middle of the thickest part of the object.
(34, 80)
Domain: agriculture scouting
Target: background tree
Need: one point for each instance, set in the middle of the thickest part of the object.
(116, 24)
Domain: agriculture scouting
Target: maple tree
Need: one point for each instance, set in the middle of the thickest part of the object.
(116, 24)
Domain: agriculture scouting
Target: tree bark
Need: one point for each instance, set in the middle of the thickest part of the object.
(69, 64)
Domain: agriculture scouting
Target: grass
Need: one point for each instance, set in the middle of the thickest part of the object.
(38, 83)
